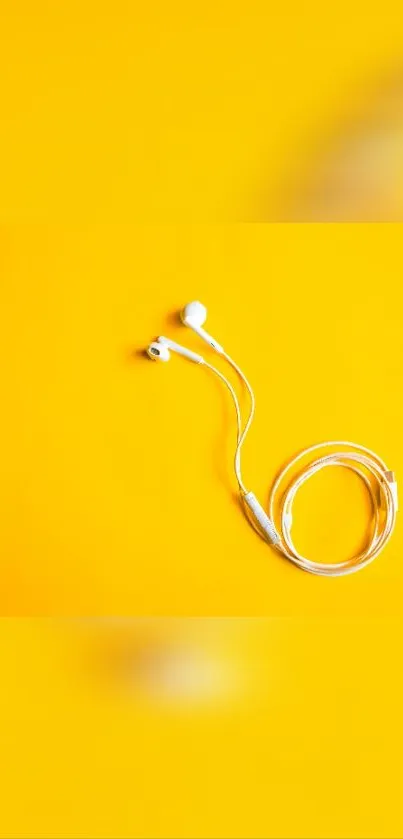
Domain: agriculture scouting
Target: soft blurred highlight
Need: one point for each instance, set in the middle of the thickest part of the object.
(354, 172)
(111, 112)
(202, 727)
(191, 665)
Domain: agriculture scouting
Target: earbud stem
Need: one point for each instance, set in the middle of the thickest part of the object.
(205, 336)
(172, 345)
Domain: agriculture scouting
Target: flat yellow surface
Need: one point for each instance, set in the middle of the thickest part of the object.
(118, 490)
(118, 127)
(169, 110)
(132, 137)
(302, 737)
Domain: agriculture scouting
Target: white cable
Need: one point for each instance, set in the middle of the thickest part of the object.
(378, 479)
(237, 411)
(248, 424)
(241, 434)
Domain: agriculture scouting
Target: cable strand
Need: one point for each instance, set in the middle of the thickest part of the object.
(379, 481)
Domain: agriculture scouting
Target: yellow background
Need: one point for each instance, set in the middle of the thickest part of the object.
(173, 110)
(312, 747)
(125, 132)
(118, 491)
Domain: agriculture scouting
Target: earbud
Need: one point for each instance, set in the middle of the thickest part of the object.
(159, 351)
(194, 315)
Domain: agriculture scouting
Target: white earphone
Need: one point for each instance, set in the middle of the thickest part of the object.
(276, 526)
(159, 351)
(194, 315)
